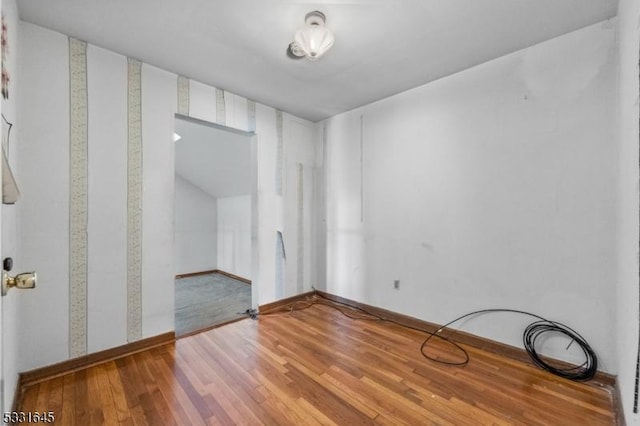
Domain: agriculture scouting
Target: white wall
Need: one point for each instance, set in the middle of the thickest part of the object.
(268, 206)
(107, 261)
(43, 174)
(196, 224)
(159, 104)
(299, 169)
(234, 235)
(320, 218)
(491, 188)
(44, 180)
(627, 232)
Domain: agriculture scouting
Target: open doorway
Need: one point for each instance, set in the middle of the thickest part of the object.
(212, 224)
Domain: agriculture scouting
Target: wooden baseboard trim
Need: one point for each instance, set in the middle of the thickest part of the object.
(29, 378)
(617, 405)
(18, 396)
(235, 277)
(600, 379)
(203, 330)
(282, 303)
(195, 274)
(215, 271)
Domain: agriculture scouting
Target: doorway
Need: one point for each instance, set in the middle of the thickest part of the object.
(213, 209)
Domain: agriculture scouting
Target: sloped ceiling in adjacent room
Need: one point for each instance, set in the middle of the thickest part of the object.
(214, 160)
(382, 46)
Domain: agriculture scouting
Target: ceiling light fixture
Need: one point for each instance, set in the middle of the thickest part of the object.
(313, 40)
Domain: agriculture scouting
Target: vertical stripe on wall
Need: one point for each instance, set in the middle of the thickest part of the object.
(279, 152)
(78, 197)
(183, 95)
(221, 115)
(251, 116)
(636, 390)
(300, 226)
(280, 258)
(361, 168)
(134, 201)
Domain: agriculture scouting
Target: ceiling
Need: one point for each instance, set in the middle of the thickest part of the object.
(382, 47)
(216, 161)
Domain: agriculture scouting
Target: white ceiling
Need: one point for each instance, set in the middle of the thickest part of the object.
(382, 46)
(216, 161)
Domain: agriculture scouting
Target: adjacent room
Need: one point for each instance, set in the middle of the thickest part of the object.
(212, 225)
(358, 212)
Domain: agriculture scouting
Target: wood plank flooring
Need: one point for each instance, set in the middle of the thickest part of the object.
(314, 366)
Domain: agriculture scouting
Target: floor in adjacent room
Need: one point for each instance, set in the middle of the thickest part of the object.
(314, 365)
(207, 300)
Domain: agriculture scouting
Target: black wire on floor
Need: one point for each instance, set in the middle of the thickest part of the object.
(532, 333)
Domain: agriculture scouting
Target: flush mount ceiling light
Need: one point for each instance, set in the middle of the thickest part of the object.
(313, 40)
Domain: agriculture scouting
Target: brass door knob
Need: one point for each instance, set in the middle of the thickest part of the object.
(24, 280)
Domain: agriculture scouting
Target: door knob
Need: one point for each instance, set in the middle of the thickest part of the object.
(24, 280)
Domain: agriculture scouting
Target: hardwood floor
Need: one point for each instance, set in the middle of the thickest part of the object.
(314, 366)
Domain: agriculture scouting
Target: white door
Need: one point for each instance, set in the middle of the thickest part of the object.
(2, 382)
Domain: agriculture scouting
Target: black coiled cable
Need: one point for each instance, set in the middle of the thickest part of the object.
(534, 331)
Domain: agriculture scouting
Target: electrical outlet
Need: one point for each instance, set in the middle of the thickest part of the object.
(396, 284)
